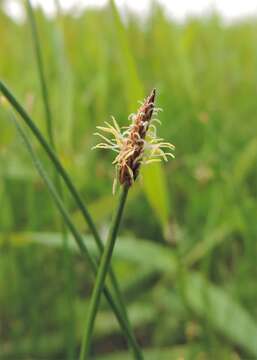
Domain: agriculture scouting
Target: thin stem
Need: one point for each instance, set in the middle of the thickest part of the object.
(43, 85)
(101, 275)
(62, 172)
(49, 127)
(78, 238)
(40, 65)
(51, 154)
(44, 90)
(60, 169)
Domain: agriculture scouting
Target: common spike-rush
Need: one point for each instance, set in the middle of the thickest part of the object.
(136, 144)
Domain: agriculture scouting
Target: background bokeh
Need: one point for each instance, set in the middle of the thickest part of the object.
(186, 256)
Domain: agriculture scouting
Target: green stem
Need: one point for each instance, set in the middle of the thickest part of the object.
(40, 67)
(49, 127)
(79, 240)
(60, 169)
(51, 154)
(101, 275)
(43, 86)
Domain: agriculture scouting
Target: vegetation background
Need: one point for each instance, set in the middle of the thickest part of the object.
(186, 257)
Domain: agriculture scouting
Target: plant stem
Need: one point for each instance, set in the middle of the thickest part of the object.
(101, 275)
(119, 309)
(51, 154)
(40, 67)
(64, 175)
(58, 184)
(79, 240)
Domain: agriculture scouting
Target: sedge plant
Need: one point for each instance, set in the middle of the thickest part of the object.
(115, 301)
(121, 312)
(137, 145)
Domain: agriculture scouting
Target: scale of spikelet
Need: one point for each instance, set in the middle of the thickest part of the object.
(137, 145)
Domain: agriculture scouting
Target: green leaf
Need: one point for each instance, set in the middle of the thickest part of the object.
(213, 239)
(157, 193)
(133, 86)
(137, 251)
(222, 312)
(65, 91)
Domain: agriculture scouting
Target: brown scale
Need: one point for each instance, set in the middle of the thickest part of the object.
(135, 141)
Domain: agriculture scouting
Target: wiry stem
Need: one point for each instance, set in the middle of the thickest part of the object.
(40, 66)
(119, 310)
(57, 178)
(78, 238)
(101, 275)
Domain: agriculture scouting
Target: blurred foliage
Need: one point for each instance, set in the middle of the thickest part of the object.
(191, 286)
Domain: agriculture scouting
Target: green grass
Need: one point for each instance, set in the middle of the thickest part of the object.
(186, 258)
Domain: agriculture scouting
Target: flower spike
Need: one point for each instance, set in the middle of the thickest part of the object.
(136, 145)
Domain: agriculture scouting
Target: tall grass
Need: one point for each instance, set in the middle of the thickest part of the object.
(49, 128)
(190, 287)
(48, 116)
(119, 310)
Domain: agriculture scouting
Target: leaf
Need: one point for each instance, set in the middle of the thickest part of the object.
(138, 251)
(65, 89)
(156, 189)
(213, 239)
(133, 86)
(208, 301)
(222, 311)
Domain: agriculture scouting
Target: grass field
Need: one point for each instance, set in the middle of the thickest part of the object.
(186, 256)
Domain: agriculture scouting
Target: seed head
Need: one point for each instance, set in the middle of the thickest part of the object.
(138, 144)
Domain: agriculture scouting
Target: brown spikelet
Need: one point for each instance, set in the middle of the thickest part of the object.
(138, 144)
(132, 152)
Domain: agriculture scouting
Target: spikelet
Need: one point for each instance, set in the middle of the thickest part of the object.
(138, 144)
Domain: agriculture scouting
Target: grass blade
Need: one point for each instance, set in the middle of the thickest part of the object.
(49, 126)
(61, 171)
(51, 139)
(78, 238)
(41, 74)
(219, 309)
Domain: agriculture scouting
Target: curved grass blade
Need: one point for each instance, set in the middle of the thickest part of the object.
(49, 126)
(49, 122)
(79, 240)
(64, 175)
(60, 169)
(228, 317)
(41, 74)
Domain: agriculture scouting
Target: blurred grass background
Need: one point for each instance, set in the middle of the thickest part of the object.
(186, 258)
